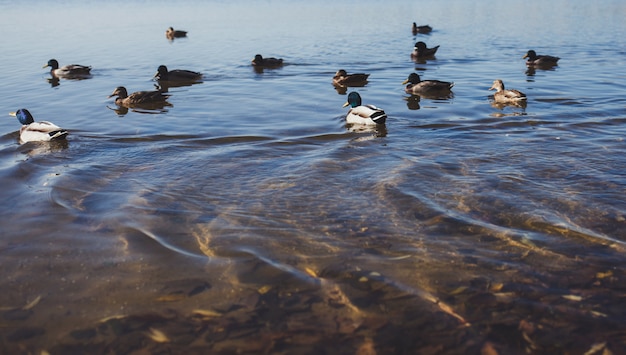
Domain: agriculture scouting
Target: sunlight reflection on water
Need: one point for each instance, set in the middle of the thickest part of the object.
(246, 217)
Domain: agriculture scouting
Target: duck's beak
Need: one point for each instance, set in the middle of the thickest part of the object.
(346, 104)
(45, 66)
(156, 75)
(406, 81)
(525, 56)
(14, 114)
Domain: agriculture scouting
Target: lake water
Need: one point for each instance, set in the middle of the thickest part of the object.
(248, 218)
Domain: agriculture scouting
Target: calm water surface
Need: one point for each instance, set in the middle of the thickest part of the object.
(247, 218)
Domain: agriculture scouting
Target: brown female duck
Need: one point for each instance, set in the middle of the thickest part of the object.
(417, 86)
(342, 78)
(504, 96)
(421, 51)
(540, 60)
(270, 62)
(171, 33)
(138, 98)
(420, 29)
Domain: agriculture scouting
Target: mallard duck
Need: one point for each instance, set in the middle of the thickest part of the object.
(171, 33)
(138, 98)
(342, 78)
(363, 114)
(42, 131)
(540, 60)
(176, 74)
(259, 61)
(506, 96)
(68, 71)
(421, 51)
(420, 29)
(417, 86)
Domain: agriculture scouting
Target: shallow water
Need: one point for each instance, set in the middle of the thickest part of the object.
(246, 217)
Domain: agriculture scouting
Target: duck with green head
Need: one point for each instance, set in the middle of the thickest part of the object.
(69, 71)
(363, 114)
(42, 131)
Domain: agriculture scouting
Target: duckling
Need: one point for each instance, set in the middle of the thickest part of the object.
(540, 60)
(421, 51)
(271, 62)
(506, 96)
(138, 98)
(68, 71)
(176, 74)
(420, 29)
(171, 33)
(425, 87)
(363, 114)
(342, 78)
(32, 131)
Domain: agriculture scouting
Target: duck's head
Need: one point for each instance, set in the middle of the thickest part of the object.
(497, 85)
(420, 46)
(530, 54)
(258, 59)
(23, 116)
(161, 72)
(413, 78)
(341, 72)
(120, 92)
(52, 63)
(354, 99)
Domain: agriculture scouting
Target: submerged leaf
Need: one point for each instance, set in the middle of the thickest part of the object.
(158, 336)
(32, 303)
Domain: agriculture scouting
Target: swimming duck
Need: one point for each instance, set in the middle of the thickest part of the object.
(420, 29)
(176, 74)
(506, 96)
(171, 33)
(417, 86)
(259, 61)
(42, 131)
(68, 71)
(138, 98)
(421, 51)
(363, 114)
(540, 60)
(342, 78)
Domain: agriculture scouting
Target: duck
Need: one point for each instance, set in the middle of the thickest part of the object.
(363, 114)
(42, 131)
(503, 95)
(68, 71)
(138, 98)
(420, 29)
(421, 51)
(417, 86)
(176, 74)
(171, 33)
(540, 60)
(259, 61)
(342, 78)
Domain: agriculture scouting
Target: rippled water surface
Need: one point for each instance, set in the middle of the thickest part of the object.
(246, 217)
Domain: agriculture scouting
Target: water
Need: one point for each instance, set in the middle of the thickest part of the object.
(247, 217)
